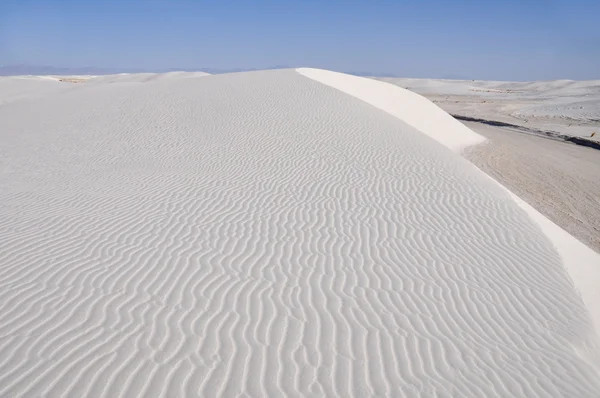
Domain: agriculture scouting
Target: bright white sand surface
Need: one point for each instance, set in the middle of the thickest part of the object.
(143, 77)
(266, 234)
(582, 263)
(15, 89)
(416, 110)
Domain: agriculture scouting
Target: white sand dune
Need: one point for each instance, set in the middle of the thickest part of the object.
(144, 77)
(266, 234)
(16, 89)
(580, 261)
(25, 88)
(415, 110)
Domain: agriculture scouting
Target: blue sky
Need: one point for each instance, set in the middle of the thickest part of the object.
(485, 39)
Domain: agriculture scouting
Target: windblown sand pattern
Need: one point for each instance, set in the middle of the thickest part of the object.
(263, 234)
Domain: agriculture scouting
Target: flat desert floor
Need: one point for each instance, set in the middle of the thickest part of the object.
(275, 233)
(561, 180)
(561, 107)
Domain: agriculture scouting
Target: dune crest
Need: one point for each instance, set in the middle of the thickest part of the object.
(406, 105)
(581, 262)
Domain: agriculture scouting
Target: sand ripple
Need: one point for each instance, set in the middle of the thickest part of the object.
(262, 234)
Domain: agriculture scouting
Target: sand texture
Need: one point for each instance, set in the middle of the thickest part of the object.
(267, 234)
(560, 180)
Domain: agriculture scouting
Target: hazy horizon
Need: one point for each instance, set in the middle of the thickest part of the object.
(511, 40)
(25, 69)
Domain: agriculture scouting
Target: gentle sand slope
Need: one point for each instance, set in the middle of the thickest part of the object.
(264, 234)
(21, 89)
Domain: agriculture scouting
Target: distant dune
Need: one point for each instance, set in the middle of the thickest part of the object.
(274, 233)
(23, 88)
(561, 106)
(144, 77)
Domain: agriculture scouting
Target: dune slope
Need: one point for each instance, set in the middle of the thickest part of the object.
(22, 88)
(580, 262)
(144, 77)
(263, 233)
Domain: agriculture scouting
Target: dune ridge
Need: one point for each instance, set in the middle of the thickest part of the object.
(264, 234)
(581, 262)
(406, 105)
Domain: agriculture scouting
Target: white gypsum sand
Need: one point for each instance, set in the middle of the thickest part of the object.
(581, 262)
(24, 88)
(263, 233)
(416, 110)
(144, 77)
